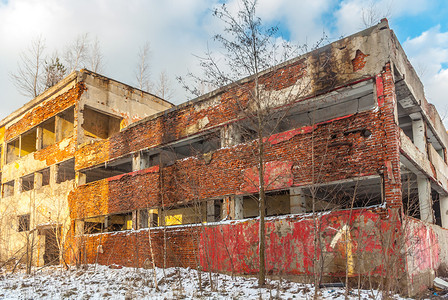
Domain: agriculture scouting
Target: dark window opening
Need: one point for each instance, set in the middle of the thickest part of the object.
(351, 100)
(185, 215)
(409, 192)
(94, 225)
(148, 218)
(119, 222)
(191, 147)
(45, 176)
(111, 169)
(12, 151)
(436, 207)
(66, 171)
(214, 208)
(24, 222)
(27, 183)
(277, 203)
(8, 189)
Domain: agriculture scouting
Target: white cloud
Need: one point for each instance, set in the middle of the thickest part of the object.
(428, 54)
(349, 14)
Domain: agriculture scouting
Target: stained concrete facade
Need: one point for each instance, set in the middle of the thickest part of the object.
(354, 164)
(39, 142)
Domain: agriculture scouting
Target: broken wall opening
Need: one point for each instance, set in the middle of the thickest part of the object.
(48, 133)
(277, 203)
(8, 189)
(110, 223)
(27, 183)
(350, 100)
(12, 150)
(45, 174)
(28, 143)
(357, 193)
(119, 222)
(181, 215)
(66, 124)
(148, 218)
(191, 147)
(94, 225)
(98, 124)
(111, 169)
(24, 222)
(66, 171)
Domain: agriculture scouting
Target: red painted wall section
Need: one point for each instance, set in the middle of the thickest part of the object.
(423, 249)
(277, 175)
(233, 247)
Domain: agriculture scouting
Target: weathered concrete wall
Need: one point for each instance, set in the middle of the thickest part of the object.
(116, 99)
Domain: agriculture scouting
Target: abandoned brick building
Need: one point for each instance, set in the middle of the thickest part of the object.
(126, 178)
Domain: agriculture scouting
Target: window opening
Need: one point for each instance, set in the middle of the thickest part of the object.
(8, 189)
(27, 183)
(66, 171)
(24, 222)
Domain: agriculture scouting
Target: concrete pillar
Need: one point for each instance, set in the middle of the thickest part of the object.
(238, 206)
(425, 200)
(39, 134)
(37, 180)
(139, 161)
(53, 174)
(58, 128)
(134, 220)
(230, 136)
(81, 178)
(297, 200)
(419, 134)
(423, 184)
(444, 210)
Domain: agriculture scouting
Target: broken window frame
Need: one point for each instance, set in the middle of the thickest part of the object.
(8, 189)
(23, 222)
(27, 183)
(65, 171)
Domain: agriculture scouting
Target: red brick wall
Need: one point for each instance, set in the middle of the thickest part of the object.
(45, 111)
(233, 246)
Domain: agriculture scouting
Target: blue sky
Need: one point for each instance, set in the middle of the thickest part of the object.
(177, 29)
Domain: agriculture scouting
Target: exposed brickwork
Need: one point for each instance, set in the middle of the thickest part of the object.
(359, 61)
(97, 151)
(44, 111)
(232, 247)
(57, 152)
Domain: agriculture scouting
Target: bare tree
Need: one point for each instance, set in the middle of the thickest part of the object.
(96, 57)
(249, 48)
(77, 53)
(373, 13)
(163, 87)
(28, 78)
(142, 70)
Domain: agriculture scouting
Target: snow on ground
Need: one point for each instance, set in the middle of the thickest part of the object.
(101, 282)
